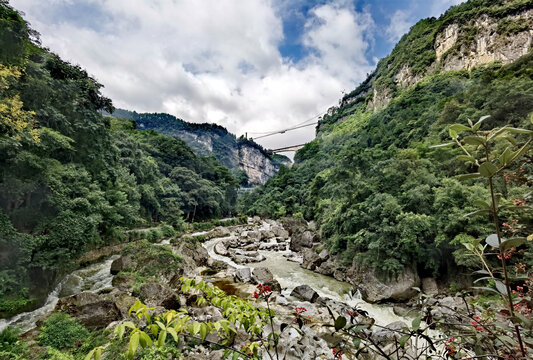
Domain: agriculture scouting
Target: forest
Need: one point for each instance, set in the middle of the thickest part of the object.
(71, 178)
(372, 181)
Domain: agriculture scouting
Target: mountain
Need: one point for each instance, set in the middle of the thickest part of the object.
(246, 159)
(383, 198)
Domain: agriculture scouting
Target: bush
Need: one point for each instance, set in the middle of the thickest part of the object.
(53, 354)
(61, 331)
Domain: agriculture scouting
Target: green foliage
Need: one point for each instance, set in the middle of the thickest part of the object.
(73, 179)
(54, 354)
(376, 187)
(61, 331)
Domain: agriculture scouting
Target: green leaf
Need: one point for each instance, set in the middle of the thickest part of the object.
(453, 133)
(356, 342)
(416, 323)
(403, 339)
(459, 127)
(90, 355)
(477, 125)
(468, 176)
(485, 289)
(340, 323)
(487, 169)
(519, 131)
(520, 152)
(98, 353)
(162, 338)
(173, 333)
(146, 339)
(203, 331)
(134, 343)
(502, 289)
(513, 242)
(474, 140)
(482, 204)
(492, 240)
(466, 158)
(441, 145)
(477, 212)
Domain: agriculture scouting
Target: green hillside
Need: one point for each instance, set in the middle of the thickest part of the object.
(381, 195)
(205, 139)
(72, 179)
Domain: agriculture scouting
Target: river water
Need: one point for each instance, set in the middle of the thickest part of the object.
(93, 278)
(290, 275)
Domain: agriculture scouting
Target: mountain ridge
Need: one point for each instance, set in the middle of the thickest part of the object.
(248, 161)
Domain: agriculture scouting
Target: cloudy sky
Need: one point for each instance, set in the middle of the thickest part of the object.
(249, 65)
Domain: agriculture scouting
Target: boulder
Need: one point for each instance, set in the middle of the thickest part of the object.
(91, 309)
(220, 249)
(154, 294)
(262, 275)
(292, 225)
(220, 232)
(122, 263)
(305, 293)
(255, 235)
(311, 260)
(373, 289)
(124, 302)
(123, 282)
(303, 239)
(429, 286)
(280, 232)
(243, 275)
(389, 333)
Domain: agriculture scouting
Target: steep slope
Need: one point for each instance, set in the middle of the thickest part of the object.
(246, 159)
(72, 179)
(382, 197)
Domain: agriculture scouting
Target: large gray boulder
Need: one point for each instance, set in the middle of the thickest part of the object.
(305, 293)
(122, 263)
(92, 310)
(303, 239)
(262, 275)
(154, 294)
(373, 289)
(243, 275)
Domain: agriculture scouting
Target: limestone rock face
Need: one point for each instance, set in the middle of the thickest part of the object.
(257, 166)
(401, 288)
(488, 44)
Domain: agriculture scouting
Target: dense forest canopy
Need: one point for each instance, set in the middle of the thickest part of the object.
(381, 195)
(71, 178)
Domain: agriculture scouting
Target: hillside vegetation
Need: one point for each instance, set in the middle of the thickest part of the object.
(381, 195)
(212, 140)
(71, 178)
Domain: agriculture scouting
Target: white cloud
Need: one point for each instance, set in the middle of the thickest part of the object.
(214, 61)
(400, 23)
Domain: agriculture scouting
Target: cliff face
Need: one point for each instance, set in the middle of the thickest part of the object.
(463, 38)
(257, 166)
(237, 154)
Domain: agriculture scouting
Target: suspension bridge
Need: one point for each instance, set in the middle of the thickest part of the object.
(309, 122)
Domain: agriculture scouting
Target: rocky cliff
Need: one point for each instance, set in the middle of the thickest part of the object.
(465, 37)
(252, 164)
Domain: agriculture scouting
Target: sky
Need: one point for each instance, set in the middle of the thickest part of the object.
(252, 66)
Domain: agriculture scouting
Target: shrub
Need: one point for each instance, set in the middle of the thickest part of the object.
(53, 354)
(61, 331)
